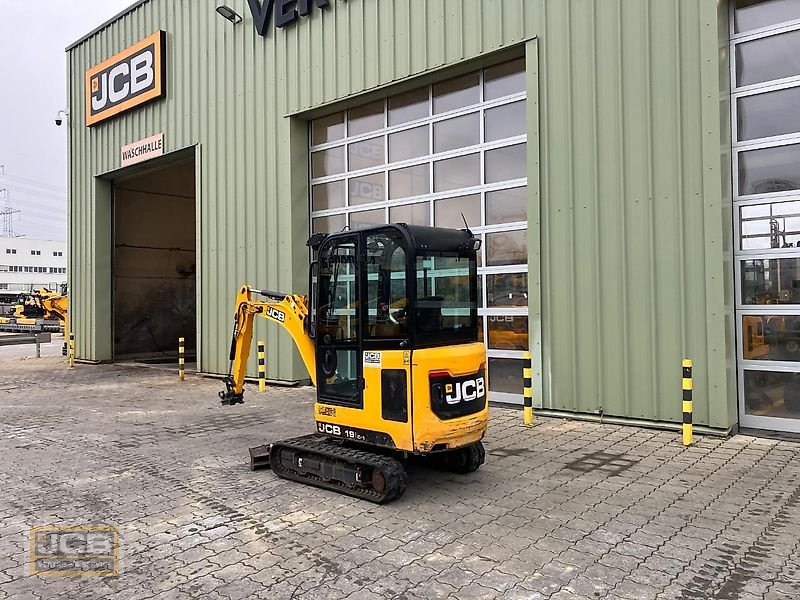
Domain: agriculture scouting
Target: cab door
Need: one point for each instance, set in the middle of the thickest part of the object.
(338, 327)
(386, 355)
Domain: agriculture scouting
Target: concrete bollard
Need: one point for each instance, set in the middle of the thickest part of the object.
(262, 368)
(688, 432)
(181, 360)
(527, 389)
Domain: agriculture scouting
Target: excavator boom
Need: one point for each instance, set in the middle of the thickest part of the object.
(288, 310)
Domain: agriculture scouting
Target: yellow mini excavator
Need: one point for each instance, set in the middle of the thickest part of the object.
(389, 336)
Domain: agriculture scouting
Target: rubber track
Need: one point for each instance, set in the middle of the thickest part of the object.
(393, 471)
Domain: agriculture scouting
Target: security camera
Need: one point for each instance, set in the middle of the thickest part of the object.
(62, 114)
(59, 120)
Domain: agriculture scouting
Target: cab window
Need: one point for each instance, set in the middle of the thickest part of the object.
(446, 309)
(387, 299)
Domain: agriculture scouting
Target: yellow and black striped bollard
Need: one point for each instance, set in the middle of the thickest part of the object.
(527, 389)
(262, 368)
(181, 360)
(687, 402)
(71, 349)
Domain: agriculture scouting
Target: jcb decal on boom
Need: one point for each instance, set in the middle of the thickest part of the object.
(274, 313)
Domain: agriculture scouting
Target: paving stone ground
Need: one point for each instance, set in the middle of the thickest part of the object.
(565, 509)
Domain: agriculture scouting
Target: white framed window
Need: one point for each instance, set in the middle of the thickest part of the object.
(765, 127)
(441, 155)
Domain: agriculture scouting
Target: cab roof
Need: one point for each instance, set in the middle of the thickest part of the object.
(420, 237)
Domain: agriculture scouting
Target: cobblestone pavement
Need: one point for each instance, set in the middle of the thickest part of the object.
(562, 510)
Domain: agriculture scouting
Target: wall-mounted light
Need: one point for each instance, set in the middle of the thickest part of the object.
(228, 13)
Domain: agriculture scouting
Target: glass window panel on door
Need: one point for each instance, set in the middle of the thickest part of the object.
(768, 58)
(770, 281)
(367, 189)
(330, 224)
(458, 132)
(507, 248)
(411, 214)
(769, 225)
(504, 79)
(325, 196)
(327, 129)
(338, 314)
(448, 211)
(409, 182)
(338, 322)
(410, 106)
(769, 170)
(773, 337)
(506, 290)
(755, 14)
(386, 286)
(507, 206)
(366, 118)
(327, 162)
(771, 394)
(408, 144)
(365, 154)
(768, 114)
(367, 218)
(506, 163)
(456, 93)
(456, 173)
(505, 375)
(508, 332)
(508, 120)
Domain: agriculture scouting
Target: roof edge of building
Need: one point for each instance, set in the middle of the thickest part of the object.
(99, 28)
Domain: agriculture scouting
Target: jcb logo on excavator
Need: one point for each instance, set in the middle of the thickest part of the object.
(329, 429)
(274, 313)
(464, 391)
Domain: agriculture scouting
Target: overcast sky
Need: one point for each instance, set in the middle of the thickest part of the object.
(33, 151)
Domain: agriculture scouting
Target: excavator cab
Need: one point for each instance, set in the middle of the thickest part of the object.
(395, 320)
(389, 335)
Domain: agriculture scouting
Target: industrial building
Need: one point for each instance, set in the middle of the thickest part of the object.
(27, 264)
(631, 167)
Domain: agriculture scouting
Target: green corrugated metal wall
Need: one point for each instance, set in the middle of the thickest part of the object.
(629, 173)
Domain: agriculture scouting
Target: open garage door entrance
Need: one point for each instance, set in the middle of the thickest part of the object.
(153, 271)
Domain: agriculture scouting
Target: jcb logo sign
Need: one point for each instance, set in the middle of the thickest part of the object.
(465, 391)
(128, 79)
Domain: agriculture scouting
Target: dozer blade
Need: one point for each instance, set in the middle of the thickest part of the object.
(259, 457)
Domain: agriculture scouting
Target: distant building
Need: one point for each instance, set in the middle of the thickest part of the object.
(27, 264)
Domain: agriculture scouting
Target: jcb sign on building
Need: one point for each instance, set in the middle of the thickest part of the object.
(126, 80)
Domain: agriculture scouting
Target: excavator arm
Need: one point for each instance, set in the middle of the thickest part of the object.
(288, 310)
